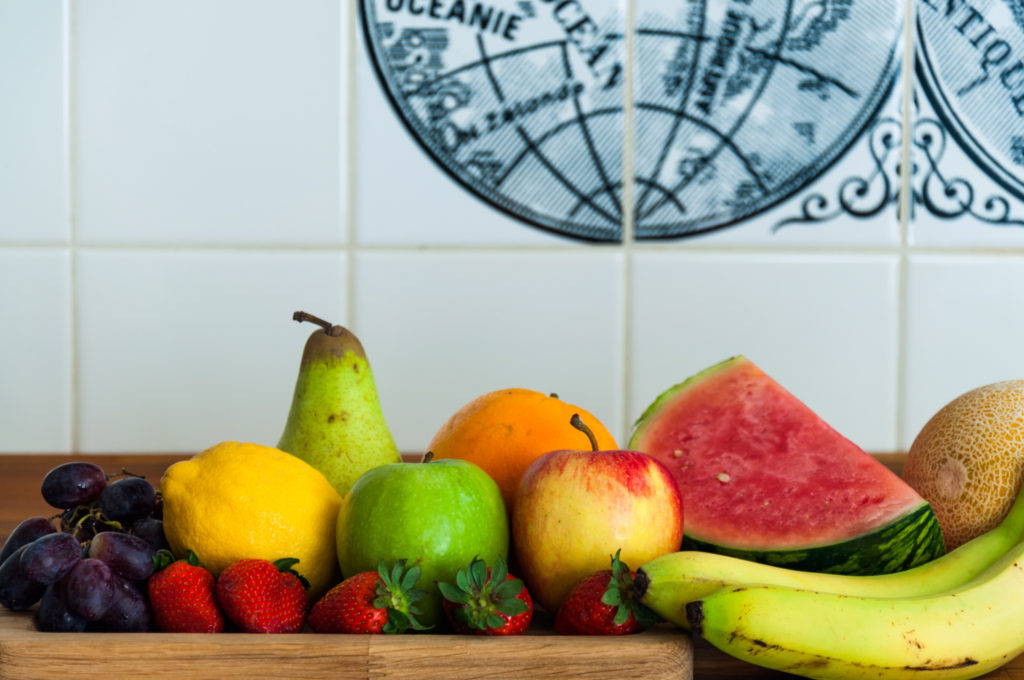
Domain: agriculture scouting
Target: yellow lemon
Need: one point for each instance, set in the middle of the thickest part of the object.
(236, 501)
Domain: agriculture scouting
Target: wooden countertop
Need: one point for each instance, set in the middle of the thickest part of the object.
(21, 476)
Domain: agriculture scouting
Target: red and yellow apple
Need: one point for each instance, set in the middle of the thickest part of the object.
(574, 509)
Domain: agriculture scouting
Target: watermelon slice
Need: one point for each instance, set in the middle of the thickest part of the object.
(765, 478)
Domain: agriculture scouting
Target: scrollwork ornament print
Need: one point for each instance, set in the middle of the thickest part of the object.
(860, 196)
(939, 192)
(949, 197)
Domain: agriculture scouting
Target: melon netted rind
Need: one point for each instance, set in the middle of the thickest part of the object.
(907, 542)
(968, 459)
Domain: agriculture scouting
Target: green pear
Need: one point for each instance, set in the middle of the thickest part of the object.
(335, 422)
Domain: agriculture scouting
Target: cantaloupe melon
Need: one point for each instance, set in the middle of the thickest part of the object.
(765, 478)
(968, 460)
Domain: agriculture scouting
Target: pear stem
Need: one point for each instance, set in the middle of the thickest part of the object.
(577, 422)
(304, 316)
(427, 457)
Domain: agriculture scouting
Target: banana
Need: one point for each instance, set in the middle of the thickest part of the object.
(959, 633)
(667, 583)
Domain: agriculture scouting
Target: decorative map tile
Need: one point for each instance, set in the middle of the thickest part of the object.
(518, 100)
(741, 104)
(740, 108)
(968, 130)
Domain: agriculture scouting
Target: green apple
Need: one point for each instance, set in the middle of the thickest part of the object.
(437, 514)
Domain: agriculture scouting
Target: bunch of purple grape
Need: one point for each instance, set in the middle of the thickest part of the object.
(91, 573)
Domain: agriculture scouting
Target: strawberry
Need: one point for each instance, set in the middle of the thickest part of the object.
(181, 595)
(604, 604)
(260, 596)
(487, 601)
(371, 602)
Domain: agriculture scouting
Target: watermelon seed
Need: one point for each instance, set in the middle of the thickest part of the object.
(723, 477)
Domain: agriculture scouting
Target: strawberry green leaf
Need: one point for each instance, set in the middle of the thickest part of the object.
(396, 572)
(613, 596)
(507, 589)
(286, 563)
(499, 570)
(462, 580)
(453, 593)
(162, 558)
(645, 616)
(513, 607)
(478, 572)
(410, 578)
(397, 622)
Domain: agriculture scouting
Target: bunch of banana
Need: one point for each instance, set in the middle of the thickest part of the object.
(958, 616)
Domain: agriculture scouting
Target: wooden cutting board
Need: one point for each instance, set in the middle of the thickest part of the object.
(27, 653)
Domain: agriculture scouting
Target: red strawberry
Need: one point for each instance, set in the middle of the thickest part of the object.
(260, 596)
(371, 602)
(181, 596)
(487, 601)
(603, 604)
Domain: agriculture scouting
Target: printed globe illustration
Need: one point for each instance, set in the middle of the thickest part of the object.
(733, 105)
(969, 64)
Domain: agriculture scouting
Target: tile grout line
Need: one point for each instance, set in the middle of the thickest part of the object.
(904, 211)
(628, 225)
(71, 189)
(349, 137)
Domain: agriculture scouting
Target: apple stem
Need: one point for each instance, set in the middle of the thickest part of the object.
(427, 457)
(577, 422)
(305, 316)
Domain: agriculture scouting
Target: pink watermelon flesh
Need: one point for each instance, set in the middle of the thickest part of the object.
(759, 470)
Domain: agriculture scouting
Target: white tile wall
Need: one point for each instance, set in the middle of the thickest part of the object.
(444, 329)
(177, 179)
(191, 348)
(209, 123)
(33, 127)
(37, 338)
(963, 329)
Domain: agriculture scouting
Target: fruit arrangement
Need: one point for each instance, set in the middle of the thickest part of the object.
(799, 551)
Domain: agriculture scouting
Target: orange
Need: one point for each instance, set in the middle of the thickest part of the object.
(504, 431)
(968, 460)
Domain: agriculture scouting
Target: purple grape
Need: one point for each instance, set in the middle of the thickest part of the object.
(126, 555)
(17, 591)
(88, 589)
(129, 611)
(128, 499)
(53, 615)
(71, 484)
(26, 532)
(151, 530)
(47, 559)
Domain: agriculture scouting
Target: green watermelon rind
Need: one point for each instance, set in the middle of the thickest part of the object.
(913, 539)
(907, 541)
(671, 392)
